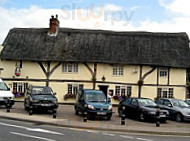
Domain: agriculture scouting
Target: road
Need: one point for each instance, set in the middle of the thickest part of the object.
(21, 131)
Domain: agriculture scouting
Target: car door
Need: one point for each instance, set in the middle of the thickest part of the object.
(133, 108)
(168, 106)
(80, 103)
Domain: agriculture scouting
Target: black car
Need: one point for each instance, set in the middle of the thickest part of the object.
(178, 109)
(141, 109)
(40, 97)
(94, 103)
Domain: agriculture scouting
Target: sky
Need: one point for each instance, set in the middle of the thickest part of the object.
(117, 15)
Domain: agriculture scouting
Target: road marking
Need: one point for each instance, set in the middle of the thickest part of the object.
(31, 129)
(30, 136)
(92, 131)
(128, 137)
(142, 139)
(107, 134)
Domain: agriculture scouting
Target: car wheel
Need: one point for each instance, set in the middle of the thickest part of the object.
(30, 112)
(109, 117)
(179, 117)
(76, 112)
(141, 117)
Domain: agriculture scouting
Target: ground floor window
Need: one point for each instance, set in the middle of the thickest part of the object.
(19, 89)
(73, 88)
(123, 91)
(165, 92)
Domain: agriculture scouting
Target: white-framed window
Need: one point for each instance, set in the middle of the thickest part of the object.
(117, 70)
(163, 72)
(70, 67)
(165, 92)
(123, 90)
(19, 89)
(73, 88)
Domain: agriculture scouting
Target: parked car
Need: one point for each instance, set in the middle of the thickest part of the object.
(187, 101)
(141, 109)
(6, 95)
(40, 97)
(178, 109)
(94, 102)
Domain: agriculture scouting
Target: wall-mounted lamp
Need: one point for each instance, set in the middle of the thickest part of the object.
(103, 78)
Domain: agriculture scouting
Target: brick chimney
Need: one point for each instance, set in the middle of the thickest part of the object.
(53, 26)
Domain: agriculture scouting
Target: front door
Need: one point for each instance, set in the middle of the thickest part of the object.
(104, 89)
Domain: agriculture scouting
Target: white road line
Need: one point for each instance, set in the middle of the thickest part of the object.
(128, 137)
(92, 131)
(30, 136)
(108, 134)
(31, 129)
(142, 139)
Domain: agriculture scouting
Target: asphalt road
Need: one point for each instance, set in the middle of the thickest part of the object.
(22, 131)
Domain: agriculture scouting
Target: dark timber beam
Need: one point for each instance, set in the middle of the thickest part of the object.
(93, 73)
(141, 80)
(48, 72)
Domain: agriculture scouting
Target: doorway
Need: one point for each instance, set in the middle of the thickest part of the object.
(104, 88)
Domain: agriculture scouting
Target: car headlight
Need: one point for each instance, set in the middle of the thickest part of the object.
(152, 113)
(110, 107)
(34, 100)
(55, 101)
(90, 107)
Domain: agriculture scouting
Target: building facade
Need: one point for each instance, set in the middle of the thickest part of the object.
(139, 64)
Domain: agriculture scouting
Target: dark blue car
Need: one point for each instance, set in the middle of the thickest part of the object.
(94, 102)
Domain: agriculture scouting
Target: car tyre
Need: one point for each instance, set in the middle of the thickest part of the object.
(30, 112)
(76, 112)
(141, 117)
(109, 117)
(178, 117)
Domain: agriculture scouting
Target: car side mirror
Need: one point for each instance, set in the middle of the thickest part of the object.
(8, 89)
(54, 93)
(169, 105)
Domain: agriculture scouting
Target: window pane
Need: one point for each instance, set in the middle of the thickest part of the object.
(69, 89)
(117, 90)
(159, 92)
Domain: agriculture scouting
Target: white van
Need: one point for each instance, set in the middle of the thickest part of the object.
(5, 94)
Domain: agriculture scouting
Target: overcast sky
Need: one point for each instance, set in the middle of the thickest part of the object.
(118, 15)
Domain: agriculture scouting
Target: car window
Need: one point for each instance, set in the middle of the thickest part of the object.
(134, 102)
(147, 102)
(95, 96)
(127, 101)
(41, 90)
(3, 86)
(179, 103)
(167, 103)
(159, 101)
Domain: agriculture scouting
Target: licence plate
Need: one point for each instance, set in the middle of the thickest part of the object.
(101, 113)
(162, 115)
(45, 104)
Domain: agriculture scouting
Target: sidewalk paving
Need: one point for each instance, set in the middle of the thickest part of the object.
(67, 118)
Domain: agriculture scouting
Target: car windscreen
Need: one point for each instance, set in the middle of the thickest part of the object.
(95, 96)
(179, 103)
(41, 90)
(3, 86)
(147, 102)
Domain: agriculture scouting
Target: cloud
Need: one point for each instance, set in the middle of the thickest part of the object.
(117, 18)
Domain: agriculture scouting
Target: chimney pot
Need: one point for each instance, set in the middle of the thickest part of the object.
(53, 26)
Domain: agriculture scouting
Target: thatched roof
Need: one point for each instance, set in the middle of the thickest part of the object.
(78, 45)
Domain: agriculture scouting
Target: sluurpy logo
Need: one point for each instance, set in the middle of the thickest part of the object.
(97, 15)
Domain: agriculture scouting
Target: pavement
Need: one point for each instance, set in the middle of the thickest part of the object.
(67, 118)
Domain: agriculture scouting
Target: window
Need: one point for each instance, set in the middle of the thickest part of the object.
(123, 90)
(118, 70)
(165, 93)
(19, 89)
(73, 88)
(70, 67)
(163, 72)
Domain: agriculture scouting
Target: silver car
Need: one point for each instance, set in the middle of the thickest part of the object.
(178, 109)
